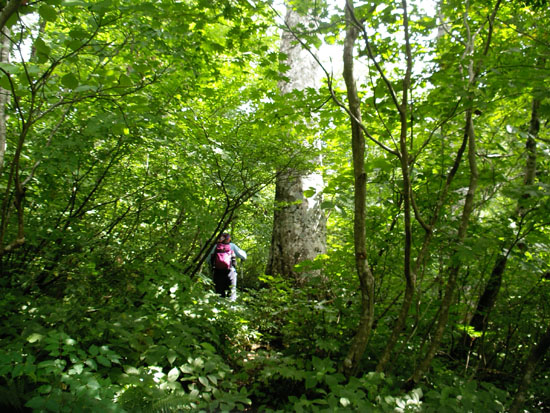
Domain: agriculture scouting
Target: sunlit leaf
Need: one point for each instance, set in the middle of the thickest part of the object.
(173, 374)
(34, 337)
(9, 67)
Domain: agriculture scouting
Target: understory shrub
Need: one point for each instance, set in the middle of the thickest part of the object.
(180, 347)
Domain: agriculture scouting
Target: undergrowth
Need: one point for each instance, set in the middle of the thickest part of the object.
(182, 348)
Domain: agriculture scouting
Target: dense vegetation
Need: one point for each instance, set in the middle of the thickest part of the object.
(133, 132)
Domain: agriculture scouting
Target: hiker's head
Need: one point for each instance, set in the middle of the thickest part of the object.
(225, 238)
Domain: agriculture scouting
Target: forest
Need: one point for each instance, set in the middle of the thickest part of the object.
(385, 166)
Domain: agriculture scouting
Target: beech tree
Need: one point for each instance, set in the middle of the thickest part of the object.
(299, 228)
(4, 96)
(136, 131)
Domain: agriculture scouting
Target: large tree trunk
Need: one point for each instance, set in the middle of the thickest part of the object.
(4, 95)
(299, 224)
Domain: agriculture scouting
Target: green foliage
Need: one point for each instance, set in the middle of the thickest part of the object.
(451, 393)
(152, 136)
(535, 4)
(307, 320)
(179, 348)
(131, 358)
(62, 374)
(136, 131)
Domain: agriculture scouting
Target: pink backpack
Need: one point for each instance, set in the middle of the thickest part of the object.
(222, 256)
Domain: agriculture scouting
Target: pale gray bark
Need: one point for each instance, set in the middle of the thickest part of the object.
(4, 95)
(299, 227)
(303, 71)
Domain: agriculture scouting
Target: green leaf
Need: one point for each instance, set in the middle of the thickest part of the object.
(69, 81)
(17, 370)
(77, 369)
(173, 374)
(171, 356)
(125, 81)
(9, 68)
(101, 7)
(12, 19)
(84, 88)
(186, 369)
(91, 363)
(72, 3)
(332, 381)
(311, 381)
(93, 383)
(5, 82)
(104, 361)
(47, 388)
(208, 347)
(33, 338)
(47, 12)
(93, 350)
(308, 193)
(33, 70)
(36, 403)
(41, 47)
(213, 379)
(131, 370)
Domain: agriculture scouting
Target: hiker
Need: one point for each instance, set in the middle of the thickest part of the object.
(223, 259)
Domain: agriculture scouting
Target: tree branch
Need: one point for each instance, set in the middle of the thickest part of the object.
(9, 10)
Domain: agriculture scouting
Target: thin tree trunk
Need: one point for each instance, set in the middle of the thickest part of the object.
(410, 275)
(473, 71)
(19, 188)
(531, 144)
(454, 268)
(366, 278)
(537, 353)
(409, 292)
(489, 296)
(492, 288)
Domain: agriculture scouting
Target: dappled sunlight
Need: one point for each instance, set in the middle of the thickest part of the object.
(383, 164)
